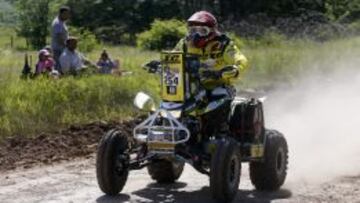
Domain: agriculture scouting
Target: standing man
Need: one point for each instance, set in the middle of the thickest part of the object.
(59, 34)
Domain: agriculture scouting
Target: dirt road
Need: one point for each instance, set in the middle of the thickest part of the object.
(75, 182)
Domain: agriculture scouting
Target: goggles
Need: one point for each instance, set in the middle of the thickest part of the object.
(201, 30)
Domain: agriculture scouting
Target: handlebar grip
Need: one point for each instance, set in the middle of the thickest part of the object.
(153, 66)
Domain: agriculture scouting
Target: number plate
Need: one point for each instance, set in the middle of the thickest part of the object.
(172, 76)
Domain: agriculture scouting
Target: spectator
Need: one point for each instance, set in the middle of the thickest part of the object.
(71, 60)
(105, 64)
(49, 49)
(59, 34)
(45, 63)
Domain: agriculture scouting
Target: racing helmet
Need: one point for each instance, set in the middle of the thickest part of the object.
(202, 28)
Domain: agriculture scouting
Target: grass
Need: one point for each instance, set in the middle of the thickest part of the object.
(31, 106)
(289, 61)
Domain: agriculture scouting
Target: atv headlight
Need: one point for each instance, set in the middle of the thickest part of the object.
(175, 113)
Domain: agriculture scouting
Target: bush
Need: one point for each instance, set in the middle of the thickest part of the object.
(8, 14)
(162, 35)
(113, 34)
(355, 27)
(269, 39)
(272, 38)
(236, 39)
(87, 40)
(33, 21)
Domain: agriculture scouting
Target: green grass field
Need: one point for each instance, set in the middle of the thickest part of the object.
(31, 106)
(289, 61)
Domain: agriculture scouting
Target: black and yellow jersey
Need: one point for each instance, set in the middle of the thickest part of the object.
(217, 54)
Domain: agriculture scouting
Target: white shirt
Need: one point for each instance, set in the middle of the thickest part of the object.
(71, 61)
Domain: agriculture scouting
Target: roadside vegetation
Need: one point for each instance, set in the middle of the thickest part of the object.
(32, 106)
(287, 62)
(28, 107)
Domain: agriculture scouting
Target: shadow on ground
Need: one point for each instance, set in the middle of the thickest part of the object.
(113, 199)
(174, 193)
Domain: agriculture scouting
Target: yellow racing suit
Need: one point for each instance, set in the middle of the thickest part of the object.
(217, 54)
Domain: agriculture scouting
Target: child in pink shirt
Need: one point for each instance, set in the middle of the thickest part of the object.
(45, 63)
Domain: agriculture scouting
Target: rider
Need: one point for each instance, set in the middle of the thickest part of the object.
(223, 59)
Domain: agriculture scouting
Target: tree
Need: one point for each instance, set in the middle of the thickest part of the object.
(34, 21)
(338, 9)
(120, 21)
(8, 15)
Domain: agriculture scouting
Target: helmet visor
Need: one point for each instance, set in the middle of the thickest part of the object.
(201, 30)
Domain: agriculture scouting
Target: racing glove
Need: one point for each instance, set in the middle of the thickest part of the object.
(229, 72)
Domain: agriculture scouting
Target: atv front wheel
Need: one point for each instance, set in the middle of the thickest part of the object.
(112, 162)
(271, 173)
(165, 171)
(225, 171)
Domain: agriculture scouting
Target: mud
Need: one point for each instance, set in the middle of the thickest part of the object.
(49, 148)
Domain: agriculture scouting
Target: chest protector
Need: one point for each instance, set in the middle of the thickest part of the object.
(212, 54)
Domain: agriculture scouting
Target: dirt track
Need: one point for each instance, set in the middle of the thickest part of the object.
(75, 182)
(67, 174)
(64, 145)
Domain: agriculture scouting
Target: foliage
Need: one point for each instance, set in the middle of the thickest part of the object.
(162, 35)
(269, 39)
(54, 7)
(126, 18)
(119, 22)
(32, 106)
(34, 21)
(8, 15)
(87, 40)
(236, 39)
(9, 39)
(355, 27)
(342, 9)
(287, 62)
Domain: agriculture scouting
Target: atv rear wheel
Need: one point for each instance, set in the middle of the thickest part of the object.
(165, 171)
(271, 173)
(112, 162)
(225, 170)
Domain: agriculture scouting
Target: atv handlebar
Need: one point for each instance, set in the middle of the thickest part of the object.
(193, 67)
(153, 66)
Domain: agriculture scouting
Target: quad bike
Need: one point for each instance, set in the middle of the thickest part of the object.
(213, 131)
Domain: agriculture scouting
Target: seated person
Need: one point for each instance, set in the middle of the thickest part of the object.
(105, 64)
(45, 63)
(72, 61)
(48, 48)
